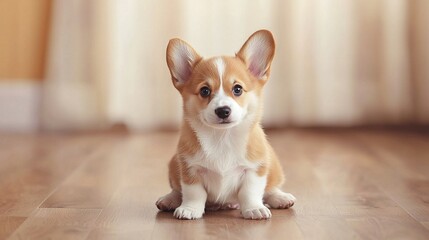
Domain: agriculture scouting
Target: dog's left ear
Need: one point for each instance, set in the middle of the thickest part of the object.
(257, 53)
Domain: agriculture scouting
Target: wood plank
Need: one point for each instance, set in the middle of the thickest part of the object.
(57, 223)
(30, 177)
(9, 224)
(405, 177)
(93, 183)
(345, 173)
(350, 184)
(227, 225)
(131, 212)
(426, 225)
(325, 227)
(387, 228)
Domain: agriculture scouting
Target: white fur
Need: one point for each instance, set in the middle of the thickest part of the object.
(221, 162)
(238, 115)
(193, 201)
(220, 66)
(250, 196)
(223, 150)
(209, 116)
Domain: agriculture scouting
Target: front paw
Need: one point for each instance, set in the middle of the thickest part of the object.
(185, 212)
(256, 213)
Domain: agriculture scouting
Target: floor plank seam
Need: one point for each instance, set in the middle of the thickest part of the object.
(38, 207)
(98, 152)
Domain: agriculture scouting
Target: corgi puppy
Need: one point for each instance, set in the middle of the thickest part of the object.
(223, 159)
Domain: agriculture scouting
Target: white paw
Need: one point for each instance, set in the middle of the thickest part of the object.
(256, 213)
(169, 202)
(280, 199)
(184, 212)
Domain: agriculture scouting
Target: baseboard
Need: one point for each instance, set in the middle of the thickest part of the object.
(20, 105)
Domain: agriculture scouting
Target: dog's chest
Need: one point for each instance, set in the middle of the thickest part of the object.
(221, 164)
(221, 151)
(222, 187)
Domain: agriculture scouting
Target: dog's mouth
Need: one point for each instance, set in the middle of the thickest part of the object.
(219, 123)
(223, 121)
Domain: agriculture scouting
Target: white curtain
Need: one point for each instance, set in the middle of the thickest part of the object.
(338, 62)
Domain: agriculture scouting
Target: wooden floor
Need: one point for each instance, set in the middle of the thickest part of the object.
(350, 184)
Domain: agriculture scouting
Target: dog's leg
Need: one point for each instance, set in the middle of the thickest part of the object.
(250, 197)
(276, 198)
(193, 202)
(170, 201)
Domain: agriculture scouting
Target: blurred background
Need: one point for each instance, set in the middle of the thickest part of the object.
(81, 65)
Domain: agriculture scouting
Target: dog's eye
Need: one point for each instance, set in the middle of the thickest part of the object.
(237, 90)
(205, 92)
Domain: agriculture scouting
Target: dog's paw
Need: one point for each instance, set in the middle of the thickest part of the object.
(280, 200)
(169, 202)
(185, 212)
(256, 213)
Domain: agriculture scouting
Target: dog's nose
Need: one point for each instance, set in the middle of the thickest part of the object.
(223, 112)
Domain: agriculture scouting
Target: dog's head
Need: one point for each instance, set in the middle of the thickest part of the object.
(222, 92)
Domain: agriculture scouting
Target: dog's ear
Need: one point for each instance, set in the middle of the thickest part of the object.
(181, 59)
(257, 53)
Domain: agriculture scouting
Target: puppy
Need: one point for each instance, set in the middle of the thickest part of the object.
(223, 159)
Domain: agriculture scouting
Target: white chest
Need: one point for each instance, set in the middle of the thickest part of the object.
(222, 188)
(221, 164)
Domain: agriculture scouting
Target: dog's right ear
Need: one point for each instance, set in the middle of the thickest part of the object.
(181, 59)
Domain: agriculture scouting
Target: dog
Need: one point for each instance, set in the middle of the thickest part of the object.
(223, 159)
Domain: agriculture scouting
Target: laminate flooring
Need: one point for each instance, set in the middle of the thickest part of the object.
(350, 184)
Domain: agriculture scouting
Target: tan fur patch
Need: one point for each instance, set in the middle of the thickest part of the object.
(187, 176)
(174, 173)
(257, 145)
(179, 170)
(258, 149)
(188, 142)
(275, 176)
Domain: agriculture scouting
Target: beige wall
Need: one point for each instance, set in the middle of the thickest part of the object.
(337, 62)
(23, 38)
(419, 57)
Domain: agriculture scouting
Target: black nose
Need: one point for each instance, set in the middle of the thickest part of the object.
(223, 112)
